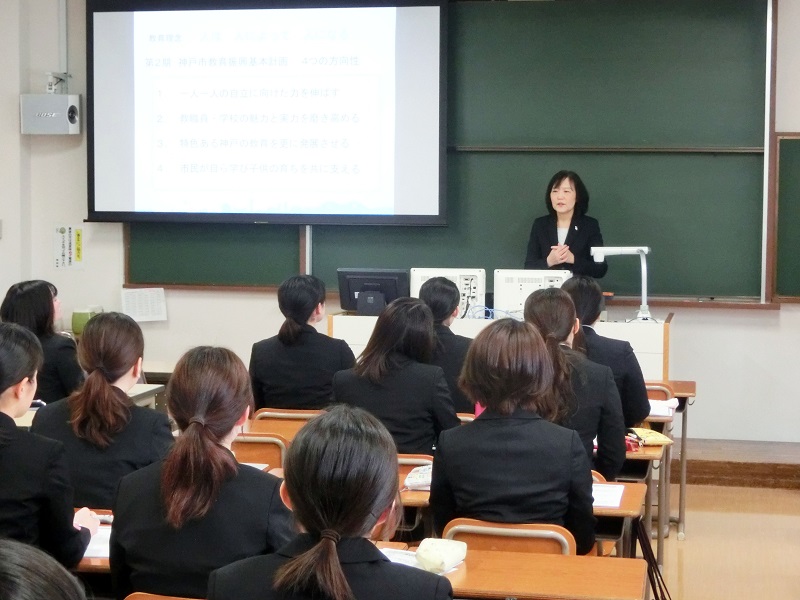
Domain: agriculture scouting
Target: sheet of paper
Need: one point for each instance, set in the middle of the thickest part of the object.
(259, 466)
(663, 408)
(99, 546)
(145, 304)
(607, 495)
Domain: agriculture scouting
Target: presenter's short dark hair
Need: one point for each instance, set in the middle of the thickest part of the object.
(581, 193)
(442, 297)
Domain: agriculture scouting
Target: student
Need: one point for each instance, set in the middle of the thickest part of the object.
(512, 464)
(27, 573)
(35, 305)
(341, 483)
(294, 369)
(586, 392)
(443, 298)
(562, 239)
(35, 493)
(615, 354)
(197, 510)
(105, 434)
(393, 382)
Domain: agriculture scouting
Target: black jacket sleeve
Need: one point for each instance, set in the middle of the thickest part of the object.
(59, 536)
(635, 404)
(579, 519)
(534, 259)
(442, 499)
(584, 263)
(444, 413)
(610, 432)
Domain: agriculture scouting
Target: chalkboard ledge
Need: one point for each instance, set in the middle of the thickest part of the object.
(735, 302)
(191, 287)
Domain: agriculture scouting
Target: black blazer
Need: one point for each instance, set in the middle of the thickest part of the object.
(596, 411)
(367, 570)
(619, 357)
(60, 374)
(513, 469)
(95, 472)
(297, 376)
(36, 495)
(148, 555)
(584, 232)
(451, 349)
(413, 401)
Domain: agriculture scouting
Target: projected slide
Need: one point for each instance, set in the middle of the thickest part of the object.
(325, 111)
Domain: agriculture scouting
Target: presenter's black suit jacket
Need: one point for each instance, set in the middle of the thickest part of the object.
(451, 350)
(370, 574)
(514, 469)
(619, 357)
(584, 232)
(412, 401)
(36, 505)
(297, 376)
(95, 472)
(596, 411)
(148, 555)
(60, 374)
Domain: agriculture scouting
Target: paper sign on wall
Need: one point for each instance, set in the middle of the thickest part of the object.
(68, 247)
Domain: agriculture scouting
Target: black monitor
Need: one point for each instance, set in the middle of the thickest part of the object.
(368, 291)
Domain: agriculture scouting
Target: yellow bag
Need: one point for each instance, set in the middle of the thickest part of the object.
(650, 437)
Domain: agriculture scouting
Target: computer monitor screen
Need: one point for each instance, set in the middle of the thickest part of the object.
(513, 286)
(367, 291)
(471, 284)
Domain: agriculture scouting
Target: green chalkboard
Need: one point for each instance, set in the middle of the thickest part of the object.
(611, 73)
(206, 254)
(788, 255)
(658, 105)
(679, 205)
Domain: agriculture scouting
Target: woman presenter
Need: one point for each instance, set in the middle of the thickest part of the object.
(563, 238)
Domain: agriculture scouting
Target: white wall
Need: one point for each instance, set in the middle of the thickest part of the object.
(742, 361)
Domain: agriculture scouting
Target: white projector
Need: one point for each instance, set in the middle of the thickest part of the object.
(50, 114)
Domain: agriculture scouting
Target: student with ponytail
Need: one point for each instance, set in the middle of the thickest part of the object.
(197, 510)
(588, 398)
(341, 483)
(615, 354)
(36, 505)
(294, 369)
(106, 436)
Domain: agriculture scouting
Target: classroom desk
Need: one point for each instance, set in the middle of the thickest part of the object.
(502, 575)
(101, 564)
(143, 394)
(684, 390)
(653, 454)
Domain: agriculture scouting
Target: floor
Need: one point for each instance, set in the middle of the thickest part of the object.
(741, 543)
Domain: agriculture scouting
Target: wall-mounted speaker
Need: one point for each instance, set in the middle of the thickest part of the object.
(50, 114)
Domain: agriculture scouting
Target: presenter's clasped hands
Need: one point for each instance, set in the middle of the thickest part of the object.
(560, 254)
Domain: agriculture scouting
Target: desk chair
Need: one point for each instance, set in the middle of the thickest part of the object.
(465, 417)
(144, 596)
(286, 413)
(539, 538)
(262, 448)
